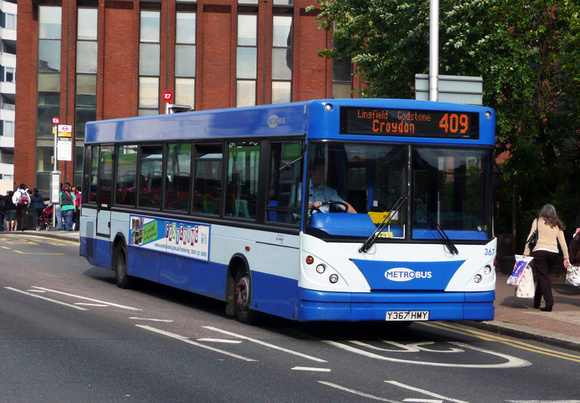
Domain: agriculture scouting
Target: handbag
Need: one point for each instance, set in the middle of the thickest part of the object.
(525, 288)
(521, 263)
(533, 239)
(573, 276)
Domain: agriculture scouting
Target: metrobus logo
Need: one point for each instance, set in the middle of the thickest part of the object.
(405, 274)
(274, 121)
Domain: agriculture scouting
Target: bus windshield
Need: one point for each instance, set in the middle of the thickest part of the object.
(407, 191)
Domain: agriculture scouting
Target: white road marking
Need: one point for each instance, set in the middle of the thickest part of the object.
(356, 392)
(47, 299)
(87, 299)
(512, 362)
(311, 369)
(309, 357)
(89, 304)
(187, 340)
(152, 319)
(423, 400)
(425, 392)
(225, 341)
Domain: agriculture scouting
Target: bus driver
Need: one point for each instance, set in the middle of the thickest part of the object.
(319, 192)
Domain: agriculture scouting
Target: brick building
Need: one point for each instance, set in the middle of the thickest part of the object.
(90, 60)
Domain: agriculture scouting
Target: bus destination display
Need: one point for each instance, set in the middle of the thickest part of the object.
(408, 122)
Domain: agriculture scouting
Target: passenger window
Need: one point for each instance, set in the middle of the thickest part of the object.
(178, 179)
(126, 175)
(105, 176)
(151, 176)
(207, 184)
(286, 164)
(242, 179)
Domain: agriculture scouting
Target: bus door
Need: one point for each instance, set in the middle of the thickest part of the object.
(105, 186)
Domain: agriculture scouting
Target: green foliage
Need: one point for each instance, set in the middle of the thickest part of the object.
(527, 54)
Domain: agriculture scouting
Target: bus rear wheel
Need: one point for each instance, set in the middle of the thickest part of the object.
(243, 297)
(123, 279)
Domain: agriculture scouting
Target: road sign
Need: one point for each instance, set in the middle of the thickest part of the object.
(64, 143)
(167, 96)
(55, 120)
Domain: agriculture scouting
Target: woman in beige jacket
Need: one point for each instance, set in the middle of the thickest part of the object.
(545, 253)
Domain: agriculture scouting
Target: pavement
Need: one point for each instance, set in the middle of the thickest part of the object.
(514, 316)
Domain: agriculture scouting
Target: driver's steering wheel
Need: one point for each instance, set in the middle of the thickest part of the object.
(331, 203)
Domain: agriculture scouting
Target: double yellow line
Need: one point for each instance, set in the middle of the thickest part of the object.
(456, 328)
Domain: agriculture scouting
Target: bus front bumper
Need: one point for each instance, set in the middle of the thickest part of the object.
(335, 306)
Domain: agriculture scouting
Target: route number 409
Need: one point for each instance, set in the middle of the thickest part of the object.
(453, 123)
(489, 252)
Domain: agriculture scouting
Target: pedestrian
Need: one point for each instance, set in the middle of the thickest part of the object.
(574, 248)
(77, 215)
(67, 204)
(2, 213)
(545, 253)
(57, 211)
(21, 199)
(10, 215)
(36, 206)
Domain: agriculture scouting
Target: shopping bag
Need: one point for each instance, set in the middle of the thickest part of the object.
(525, 288)
(521, 263)
(573, 276)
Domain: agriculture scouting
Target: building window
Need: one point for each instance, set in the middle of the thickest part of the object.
(86, 81)
(9, 21)
(149, 59)
(48, 92)
(7, 128)
(247, 60)
(341, 78)
(9, 74)
(185, 56)
(282, 59)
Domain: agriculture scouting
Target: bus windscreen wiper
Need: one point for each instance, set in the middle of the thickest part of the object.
(392, 211)
(446, 240)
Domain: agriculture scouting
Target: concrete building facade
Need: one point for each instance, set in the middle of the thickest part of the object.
(89, 60)
(8, 16)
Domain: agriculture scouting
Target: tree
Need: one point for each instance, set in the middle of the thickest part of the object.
(527, 54)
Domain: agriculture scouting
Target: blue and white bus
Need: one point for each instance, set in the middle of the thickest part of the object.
(211, 202)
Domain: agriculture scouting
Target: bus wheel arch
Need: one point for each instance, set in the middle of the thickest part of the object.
(239, 296)
(119, 263)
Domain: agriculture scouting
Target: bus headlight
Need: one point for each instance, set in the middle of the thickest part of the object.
(487, 270)
(477, 278)
(320, 268)
(333, 278)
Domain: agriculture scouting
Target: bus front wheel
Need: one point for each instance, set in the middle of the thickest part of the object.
(243, 297)
(123, 280)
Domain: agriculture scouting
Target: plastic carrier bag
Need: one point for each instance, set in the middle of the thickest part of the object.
(526, 287)
(573, 276)
(521, 263)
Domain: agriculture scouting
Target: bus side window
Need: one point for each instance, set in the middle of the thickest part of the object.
(208, 179)
(242, 185)
(177, 185)
(151, 176)
(284, 184)
(126, 175)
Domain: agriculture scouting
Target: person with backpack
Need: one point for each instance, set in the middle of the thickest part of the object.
(21, 199)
